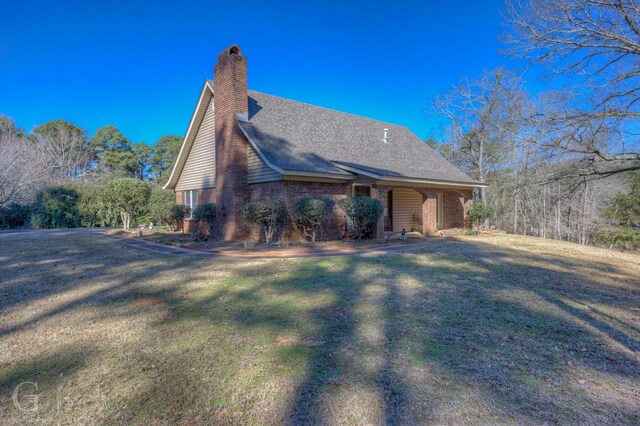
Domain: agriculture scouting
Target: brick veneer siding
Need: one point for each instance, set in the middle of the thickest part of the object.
(204, 196)
(455, 206)
(230, 99)
(288, 191)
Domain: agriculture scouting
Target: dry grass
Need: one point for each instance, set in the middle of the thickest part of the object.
(185, 240)
(492, 330)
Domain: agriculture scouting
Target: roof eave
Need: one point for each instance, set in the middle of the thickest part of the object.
(406, 179)
(187, 141)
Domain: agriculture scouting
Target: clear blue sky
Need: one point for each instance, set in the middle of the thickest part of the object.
(140, 65)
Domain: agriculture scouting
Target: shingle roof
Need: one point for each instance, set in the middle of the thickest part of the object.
(296, 136)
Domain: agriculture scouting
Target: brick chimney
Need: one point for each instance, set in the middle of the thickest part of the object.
(230, 99)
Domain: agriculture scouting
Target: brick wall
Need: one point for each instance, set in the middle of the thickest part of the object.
(289, 191)
(455, 205)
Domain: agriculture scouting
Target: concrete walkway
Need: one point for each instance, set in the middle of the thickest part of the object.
(180, 251)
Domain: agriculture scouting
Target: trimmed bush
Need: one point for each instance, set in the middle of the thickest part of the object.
(364, 213)
(268, 214)
(57, 207)
(128, 196)
(160, 206)
(14, 215)
(478, 213)
(310, 215)
(177, 215)
(207, 213)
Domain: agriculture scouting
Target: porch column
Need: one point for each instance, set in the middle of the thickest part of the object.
(378, 192)
(466, 198)
(429, 210)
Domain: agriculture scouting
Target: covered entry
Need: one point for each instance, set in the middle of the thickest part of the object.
(406, 211)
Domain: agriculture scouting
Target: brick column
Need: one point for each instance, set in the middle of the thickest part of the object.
(378, 192)
(429, 213)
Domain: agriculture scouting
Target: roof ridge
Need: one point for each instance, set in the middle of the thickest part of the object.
(331, 109)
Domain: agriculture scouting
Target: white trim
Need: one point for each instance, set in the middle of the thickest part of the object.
(319, 174)
(284, 172)
(170, 184)
(260, 154)
(409, 180)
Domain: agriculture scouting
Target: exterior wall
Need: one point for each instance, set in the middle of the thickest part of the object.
(258, 170)
(204, 196)
(231, 98)
(456, 204)
(407, 203)
(200, 168)
(288, 191)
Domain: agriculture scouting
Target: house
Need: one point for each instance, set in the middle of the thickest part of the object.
(244, 145)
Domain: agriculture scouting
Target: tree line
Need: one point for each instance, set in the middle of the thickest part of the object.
(58, 175)
(564, 162)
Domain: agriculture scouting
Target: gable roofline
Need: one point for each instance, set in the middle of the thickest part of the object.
(284, 172)
(190, 135)
(392, 178)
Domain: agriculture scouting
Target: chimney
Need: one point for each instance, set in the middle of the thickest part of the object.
(230, 100)
(230, 81)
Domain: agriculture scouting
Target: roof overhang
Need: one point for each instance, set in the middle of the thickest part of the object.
(410, 180)
(196, 119)
(295, 173)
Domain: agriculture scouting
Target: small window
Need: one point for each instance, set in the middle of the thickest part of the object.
(191, 201)
(362, 190)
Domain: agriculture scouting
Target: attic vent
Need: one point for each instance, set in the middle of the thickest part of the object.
(385, 139)
(234, 50)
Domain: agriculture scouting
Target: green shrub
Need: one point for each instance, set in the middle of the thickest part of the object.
(207, 213)
(470, 232)
(267, 214)
(478, 213)
(310, 215)
(621, 237)
(57, 207)
(14, 215)
(128, 196)
(364, 213)
(177, 215)
(93, 211)
(160, 206)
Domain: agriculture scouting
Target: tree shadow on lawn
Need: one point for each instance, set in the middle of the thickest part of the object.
(401, 337)
(470, 332)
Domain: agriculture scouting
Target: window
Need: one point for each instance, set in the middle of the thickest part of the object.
(363, 190)
(190, 200)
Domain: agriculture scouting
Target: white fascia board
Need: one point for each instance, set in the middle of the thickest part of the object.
(284, 172)
(410, 180)
(170, 184)
(260, 154)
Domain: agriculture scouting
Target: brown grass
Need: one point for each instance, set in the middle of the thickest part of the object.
(494, 330)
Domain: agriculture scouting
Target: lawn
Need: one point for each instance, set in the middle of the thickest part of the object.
(486, 330)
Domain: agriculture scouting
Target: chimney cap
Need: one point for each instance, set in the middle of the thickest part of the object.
(231, 51)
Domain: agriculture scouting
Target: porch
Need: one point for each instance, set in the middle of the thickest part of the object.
(423, 210)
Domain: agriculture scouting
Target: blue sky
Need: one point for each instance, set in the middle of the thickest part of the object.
(140, 65)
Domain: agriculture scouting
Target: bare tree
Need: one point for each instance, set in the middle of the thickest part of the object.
(594, 45)
(486, 116)
(20, 168)
(64, 150)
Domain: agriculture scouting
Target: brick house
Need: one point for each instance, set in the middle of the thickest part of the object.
(243, 145)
